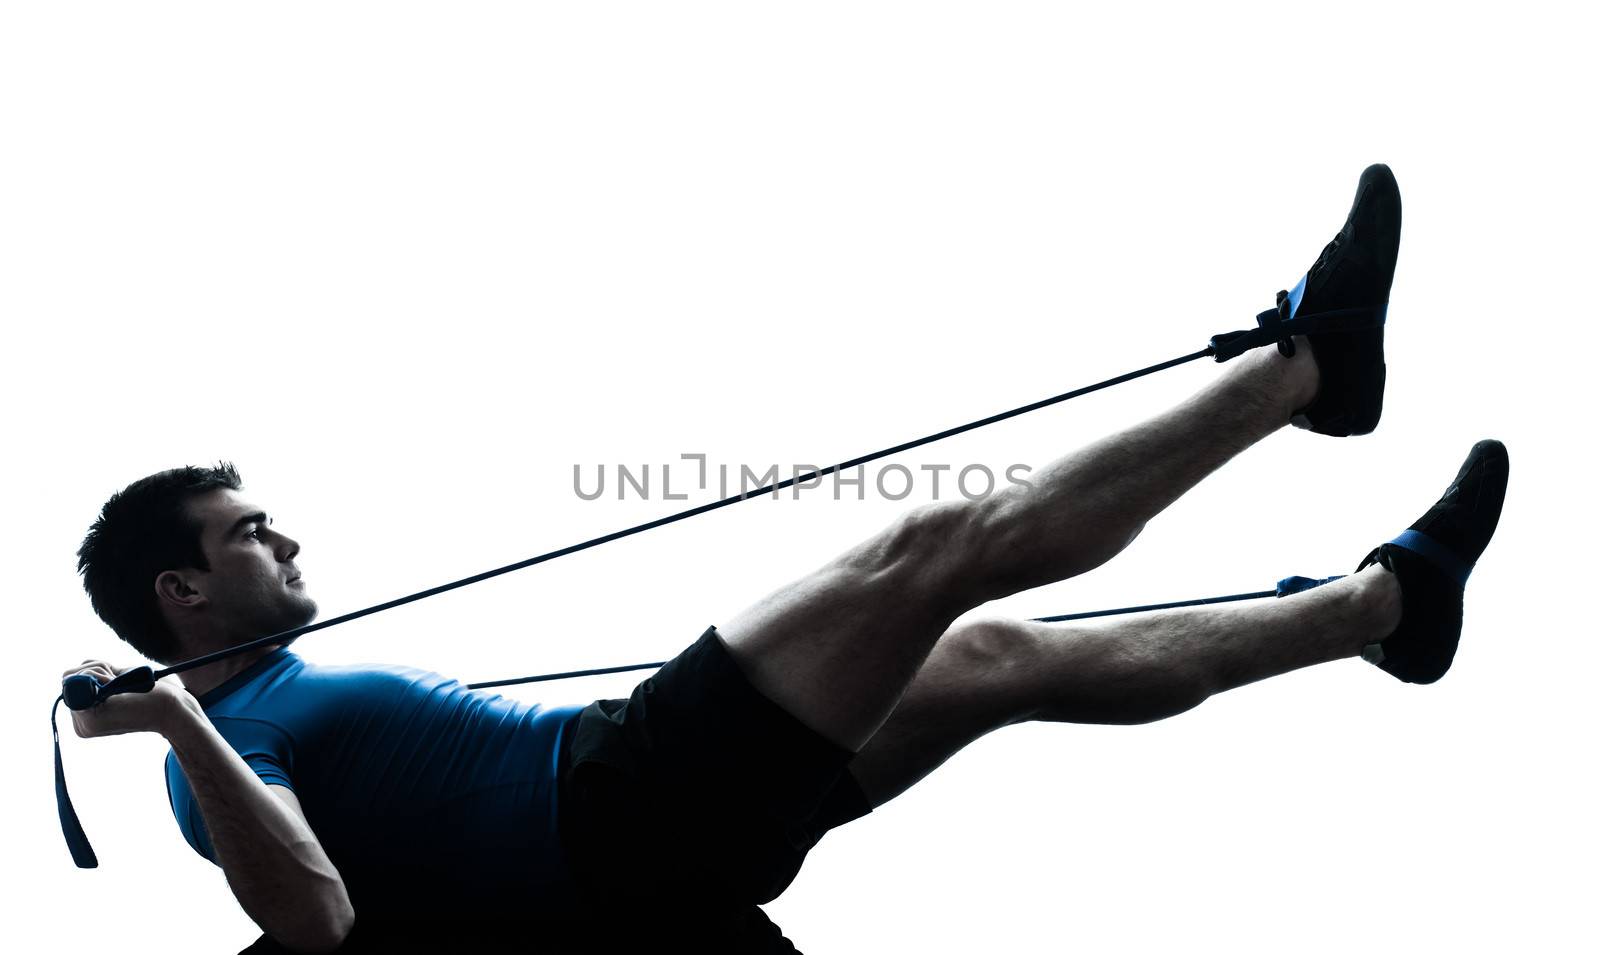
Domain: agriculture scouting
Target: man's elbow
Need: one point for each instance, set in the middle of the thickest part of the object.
(341, 923)
(317, 939)
(326, 931)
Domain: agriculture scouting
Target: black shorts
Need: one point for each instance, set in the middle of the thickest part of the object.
(696, 799)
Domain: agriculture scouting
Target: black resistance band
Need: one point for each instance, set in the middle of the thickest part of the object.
(82, 691)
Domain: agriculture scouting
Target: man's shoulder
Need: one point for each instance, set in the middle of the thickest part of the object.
(298, 679)
(367, 678)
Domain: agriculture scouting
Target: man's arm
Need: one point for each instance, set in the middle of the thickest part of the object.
(273, 862)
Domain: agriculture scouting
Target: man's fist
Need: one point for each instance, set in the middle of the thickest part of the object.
(130, 712)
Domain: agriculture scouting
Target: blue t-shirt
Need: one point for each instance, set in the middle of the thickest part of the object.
(431, 799)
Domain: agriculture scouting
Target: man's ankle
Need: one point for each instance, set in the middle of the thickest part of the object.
(1304, 379)
(1381, 598)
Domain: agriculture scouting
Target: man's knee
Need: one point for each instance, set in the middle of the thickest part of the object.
(989, 644)
(997, 660)
(931, 542)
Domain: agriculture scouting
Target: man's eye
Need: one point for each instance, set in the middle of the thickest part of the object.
(255, 533)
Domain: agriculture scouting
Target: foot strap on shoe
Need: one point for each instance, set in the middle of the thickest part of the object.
(1437, 554)
(1280, 324)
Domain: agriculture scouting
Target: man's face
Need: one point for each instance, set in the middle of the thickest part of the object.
(252, 589)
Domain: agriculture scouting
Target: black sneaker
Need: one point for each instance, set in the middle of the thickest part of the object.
(1431, 561)
(1354, 272)
(1340, 306)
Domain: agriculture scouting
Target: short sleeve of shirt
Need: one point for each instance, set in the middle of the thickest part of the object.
(265, 749)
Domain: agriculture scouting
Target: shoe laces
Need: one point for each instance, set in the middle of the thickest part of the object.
(1328, 252)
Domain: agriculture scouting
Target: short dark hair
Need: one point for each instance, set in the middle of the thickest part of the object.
(143, 530)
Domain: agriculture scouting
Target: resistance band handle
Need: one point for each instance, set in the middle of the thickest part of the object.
(81, 691)
(77, 841)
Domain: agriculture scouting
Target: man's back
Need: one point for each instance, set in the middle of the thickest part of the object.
(434, 801)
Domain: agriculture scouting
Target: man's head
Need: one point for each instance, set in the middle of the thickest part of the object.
(179, 564)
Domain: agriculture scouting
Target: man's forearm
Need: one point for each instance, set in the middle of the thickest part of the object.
(273, 862)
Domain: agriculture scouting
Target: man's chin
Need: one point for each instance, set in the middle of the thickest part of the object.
(310, 613)
(302, 613)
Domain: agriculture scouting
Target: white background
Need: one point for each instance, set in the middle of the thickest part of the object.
(406, 264)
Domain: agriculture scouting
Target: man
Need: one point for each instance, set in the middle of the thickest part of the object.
(379, 806)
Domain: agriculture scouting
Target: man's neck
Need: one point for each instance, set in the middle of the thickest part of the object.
(202, 680)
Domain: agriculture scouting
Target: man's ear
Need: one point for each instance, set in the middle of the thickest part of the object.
(172, 587)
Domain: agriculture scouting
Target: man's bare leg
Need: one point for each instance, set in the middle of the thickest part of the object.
(838, 648)
(992, 673)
